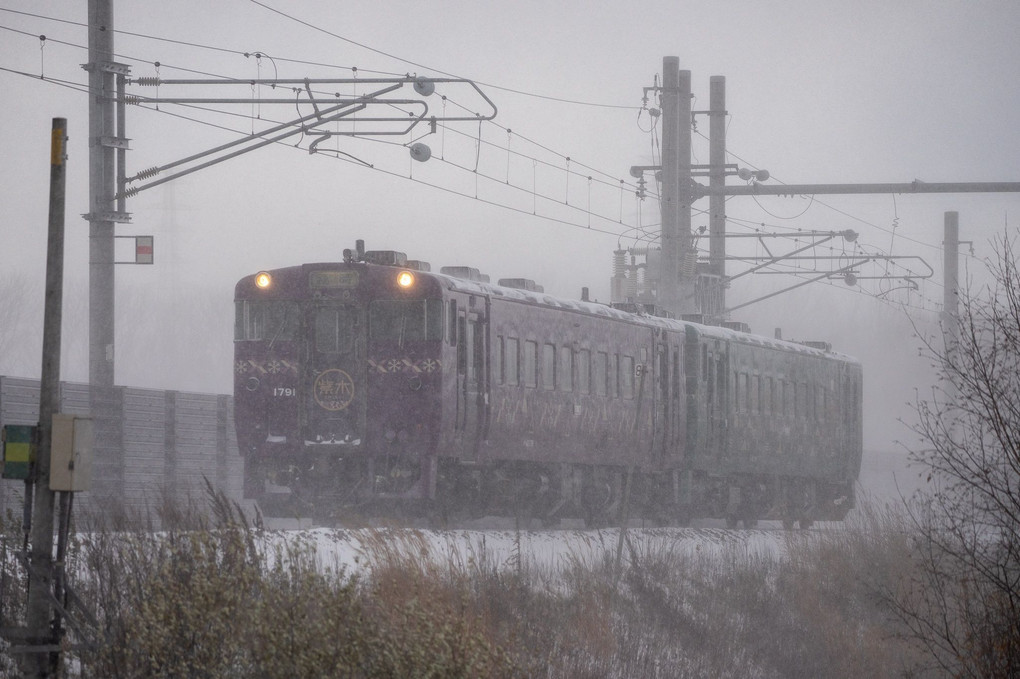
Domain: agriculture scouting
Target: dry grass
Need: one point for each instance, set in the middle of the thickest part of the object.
(206, 597)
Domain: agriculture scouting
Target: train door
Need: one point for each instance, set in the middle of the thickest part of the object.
(716, 373)
(472, 376)
(669, 398)
(663, 403)
(334, 402)
(676, 382)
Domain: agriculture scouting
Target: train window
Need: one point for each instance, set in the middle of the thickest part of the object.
(498, 368)
(565, 372)
(530, 363)
(612, 376)
(712, 401)
(266, 320)
(335, 329)
(511, 361)
(462, 346)
(452, 319)
(548, 366)
(720, 379)
(766, 396)
(676, 372)
(801, 407)
(741, 392)
(755, 394)
(601, 373)
(584, 371)
(705, 356)
(399, 320)
(471, 350)
(627, 377)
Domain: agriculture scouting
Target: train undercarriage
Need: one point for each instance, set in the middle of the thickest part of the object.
(337, 488)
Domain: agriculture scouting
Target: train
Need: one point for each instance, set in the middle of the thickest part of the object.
(377, 387)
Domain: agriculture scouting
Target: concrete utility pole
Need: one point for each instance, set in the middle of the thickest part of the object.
(670, 183)
(717, 176)
(41, 659)
(676, 289)
(682, 289)
(106, 147)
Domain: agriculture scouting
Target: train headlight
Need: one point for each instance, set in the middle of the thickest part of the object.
(263, 280)
(405, 279)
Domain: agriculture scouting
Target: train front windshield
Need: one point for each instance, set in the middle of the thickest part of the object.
(335, 329)
(399, 321)
(256, 320)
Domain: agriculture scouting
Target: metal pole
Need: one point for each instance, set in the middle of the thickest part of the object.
(717, 180)
(950, 294)
(757, 189)
(40, 612)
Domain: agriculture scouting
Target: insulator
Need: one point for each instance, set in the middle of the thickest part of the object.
(148, 81)
(145, 174)
(619, 262)
(132, 100)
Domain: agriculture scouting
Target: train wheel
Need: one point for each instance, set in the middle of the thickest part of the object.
(731, 521)
(788, 523)
(806, 523)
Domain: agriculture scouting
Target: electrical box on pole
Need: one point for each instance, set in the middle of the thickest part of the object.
(71, 453)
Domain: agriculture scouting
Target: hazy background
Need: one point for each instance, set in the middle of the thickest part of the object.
(817, 92)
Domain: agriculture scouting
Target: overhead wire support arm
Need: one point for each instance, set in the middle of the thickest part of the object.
(823, 236)
(323, 117)
(422, 85)
(758, 189)
(325, 109)
(828, 274)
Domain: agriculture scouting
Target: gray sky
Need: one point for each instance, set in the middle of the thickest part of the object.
(816, 92)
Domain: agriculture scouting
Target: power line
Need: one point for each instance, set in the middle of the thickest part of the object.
(568, 159)
(435, 70)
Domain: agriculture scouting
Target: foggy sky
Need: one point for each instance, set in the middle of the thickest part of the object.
(817, 92)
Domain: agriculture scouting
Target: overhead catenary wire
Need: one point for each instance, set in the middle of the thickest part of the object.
(569, 171)
(248, 54)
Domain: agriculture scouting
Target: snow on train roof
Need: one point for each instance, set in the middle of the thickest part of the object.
(599, 309)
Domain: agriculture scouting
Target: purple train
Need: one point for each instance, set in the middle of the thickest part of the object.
(374, 386)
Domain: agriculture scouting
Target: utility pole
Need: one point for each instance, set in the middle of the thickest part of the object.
(106, 147)
(717, 203)
(682, 289)
(40, 659)
(670, 184)
(950, 293)
(676, 288)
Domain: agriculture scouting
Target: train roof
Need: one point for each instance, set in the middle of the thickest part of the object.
(599, 309)
(543, 299)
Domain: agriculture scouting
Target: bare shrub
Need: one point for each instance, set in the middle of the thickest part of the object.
(222, 598)
(963, 607)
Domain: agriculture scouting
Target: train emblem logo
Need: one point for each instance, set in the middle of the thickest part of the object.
(333, 389)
